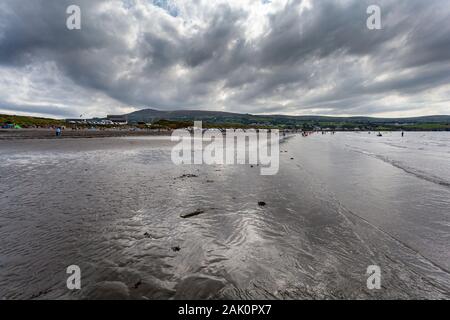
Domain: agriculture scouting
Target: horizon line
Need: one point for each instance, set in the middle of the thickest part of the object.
(237, 113)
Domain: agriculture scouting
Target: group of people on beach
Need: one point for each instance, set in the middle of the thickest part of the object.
(380, 135)
(307, 133)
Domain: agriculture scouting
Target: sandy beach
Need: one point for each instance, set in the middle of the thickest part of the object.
(141, 227)
(231, 158)
(13, 134)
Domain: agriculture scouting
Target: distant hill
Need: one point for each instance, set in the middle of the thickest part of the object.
(152, 115)
(229, 119)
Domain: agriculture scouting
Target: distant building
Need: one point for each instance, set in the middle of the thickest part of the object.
(117, 119)
(76, 121)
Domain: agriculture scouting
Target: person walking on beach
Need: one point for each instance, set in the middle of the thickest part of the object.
(58, 131)
(403, 133)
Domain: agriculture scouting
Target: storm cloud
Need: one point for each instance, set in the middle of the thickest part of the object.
(251, 56)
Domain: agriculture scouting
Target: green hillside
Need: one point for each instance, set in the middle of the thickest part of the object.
(300, 122)
(26, 121)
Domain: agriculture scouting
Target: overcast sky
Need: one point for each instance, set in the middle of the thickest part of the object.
(249, 56)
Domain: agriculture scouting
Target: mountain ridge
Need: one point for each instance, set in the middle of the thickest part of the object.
(151, 115)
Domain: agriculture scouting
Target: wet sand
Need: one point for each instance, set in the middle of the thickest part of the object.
(12, 134)
(115, 207)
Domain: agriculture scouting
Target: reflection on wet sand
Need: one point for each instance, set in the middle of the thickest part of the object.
(118, 208)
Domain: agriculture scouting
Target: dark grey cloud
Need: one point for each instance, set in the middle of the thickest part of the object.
(285, 56)
(60, 111)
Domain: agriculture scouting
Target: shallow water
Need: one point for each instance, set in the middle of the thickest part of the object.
(113, 206)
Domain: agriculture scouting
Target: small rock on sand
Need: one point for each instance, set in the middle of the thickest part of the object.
(138, 284)
(261, 203)
(188, 175)
(192, 214)
(176, 248)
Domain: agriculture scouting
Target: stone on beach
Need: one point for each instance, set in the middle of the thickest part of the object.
(192, 214)
(147, 235)
(188, 175)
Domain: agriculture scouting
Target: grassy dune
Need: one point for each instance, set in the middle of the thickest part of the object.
(26, 121)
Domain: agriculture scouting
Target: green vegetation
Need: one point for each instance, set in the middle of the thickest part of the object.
(308, 125)
(168, 124)
(173, 124)
(182, 119)
(238, 120)
(29, 122)
(428, 127)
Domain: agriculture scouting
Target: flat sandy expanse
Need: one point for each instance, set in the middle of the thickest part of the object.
(8, 134)
(141, 227)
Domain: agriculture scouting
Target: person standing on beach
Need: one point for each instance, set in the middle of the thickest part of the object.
(58, 131)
